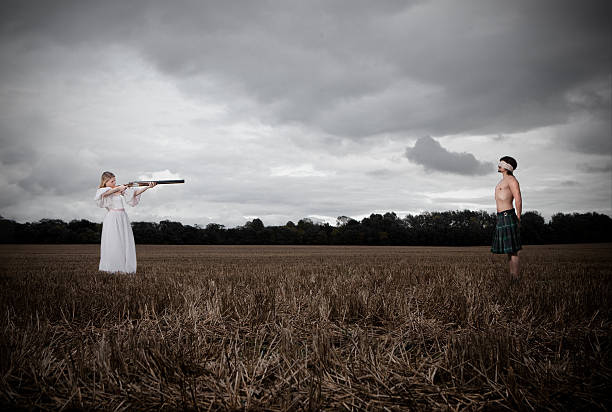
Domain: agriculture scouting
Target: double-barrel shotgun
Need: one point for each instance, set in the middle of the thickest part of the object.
(159, 182)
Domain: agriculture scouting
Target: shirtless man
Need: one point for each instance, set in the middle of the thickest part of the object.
(507, 238)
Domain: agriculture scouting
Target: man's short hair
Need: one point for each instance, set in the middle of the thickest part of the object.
(511, 161)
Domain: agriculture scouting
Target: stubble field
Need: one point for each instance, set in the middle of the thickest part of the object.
(286, 328)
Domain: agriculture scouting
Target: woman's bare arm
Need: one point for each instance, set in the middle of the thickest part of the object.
(114, 190)
(151, 184)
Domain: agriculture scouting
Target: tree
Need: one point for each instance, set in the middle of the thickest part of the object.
(7, 230)
(342, 220)
(533, 228)
(458, 228)
(256, 224)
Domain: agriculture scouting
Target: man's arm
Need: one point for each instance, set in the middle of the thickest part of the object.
(515, 188)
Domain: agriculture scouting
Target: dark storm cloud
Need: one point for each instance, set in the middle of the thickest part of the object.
(381, 173)
(594, 137)
(254, 93)
(569, 183)
(359, 68)
(589, 168)
(430, 154)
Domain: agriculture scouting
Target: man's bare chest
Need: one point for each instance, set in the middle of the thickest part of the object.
(502, 190)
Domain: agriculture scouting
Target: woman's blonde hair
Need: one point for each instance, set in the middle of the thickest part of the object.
(106, 176)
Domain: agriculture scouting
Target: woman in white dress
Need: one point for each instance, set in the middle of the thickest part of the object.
(117, 248)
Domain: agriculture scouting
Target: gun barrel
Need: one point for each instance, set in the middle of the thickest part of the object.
(159, 182)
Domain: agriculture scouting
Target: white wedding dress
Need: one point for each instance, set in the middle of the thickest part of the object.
(117, 248)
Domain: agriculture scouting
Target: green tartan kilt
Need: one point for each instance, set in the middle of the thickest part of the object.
(507, 237)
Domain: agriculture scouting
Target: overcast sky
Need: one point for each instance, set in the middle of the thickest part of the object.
(289, 109)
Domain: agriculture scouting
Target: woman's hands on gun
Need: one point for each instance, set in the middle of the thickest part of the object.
(150, 185)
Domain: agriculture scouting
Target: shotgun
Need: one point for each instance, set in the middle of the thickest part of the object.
(159, 182)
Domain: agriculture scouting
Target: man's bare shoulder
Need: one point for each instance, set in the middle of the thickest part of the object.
(512, 181)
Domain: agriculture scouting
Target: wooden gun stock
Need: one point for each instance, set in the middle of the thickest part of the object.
(159, 182)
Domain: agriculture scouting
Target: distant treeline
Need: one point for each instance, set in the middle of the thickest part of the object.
(452, 228)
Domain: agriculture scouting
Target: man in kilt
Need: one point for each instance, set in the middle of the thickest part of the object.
(507, 237)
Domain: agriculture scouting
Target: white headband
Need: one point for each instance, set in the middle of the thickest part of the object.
(505, 165)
